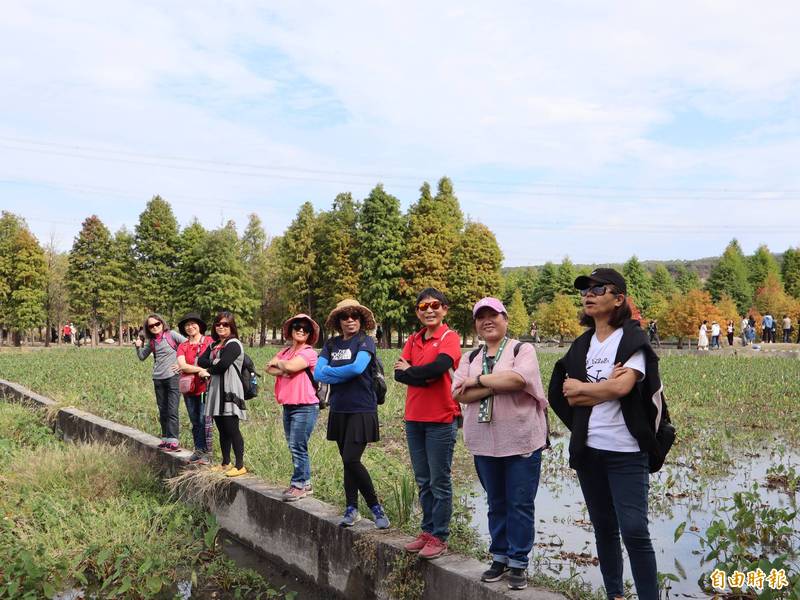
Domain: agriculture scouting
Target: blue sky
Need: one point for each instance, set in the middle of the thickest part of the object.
(582, 129)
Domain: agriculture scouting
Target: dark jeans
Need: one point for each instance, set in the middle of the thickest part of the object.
(229, 435)
(195, 406)
(787, 336)
(431, 448)
(298, 424)
(615, 486)
(715, 341)
(511, 483)
(168, 398)
(356, 476)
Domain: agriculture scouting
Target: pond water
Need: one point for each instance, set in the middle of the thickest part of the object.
(565, 540)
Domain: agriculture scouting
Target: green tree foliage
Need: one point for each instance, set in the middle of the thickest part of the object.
(638, 280)
(661, 282)
(546, 287)
(298, 255)
(434, 227)
(273, 308)
(686, 279)
(760, 265)
(527, 284)
(190, 242)
(475, 273)
(157, 248)
(337, 275)
(791, 272)
(220, 280)
(118, 293)
(518, 320)
(381, 244)
(770, 298)
(10, 224)
(28, 282)
(88, 264)
(558, 318)
(253, 250)
(729, 278)
(565, 278)
(57, 299)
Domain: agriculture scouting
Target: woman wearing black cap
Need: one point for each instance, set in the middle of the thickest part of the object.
(607, 391)
(193, 387)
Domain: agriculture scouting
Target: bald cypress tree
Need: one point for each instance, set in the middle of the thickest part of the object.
(790, 269)
(760, 265)
(297, 256)
(157, 247)
(88, 263)
(28, 283)
(118, 297)
(729, 277)
(638, 282)
(546, 286)
(337, 242)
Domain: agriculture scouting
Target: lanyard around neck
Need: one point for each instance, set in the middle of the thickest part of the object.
(486, 369)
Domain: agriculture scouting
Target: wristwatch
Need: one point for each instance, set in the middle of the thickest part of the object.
(478, 380)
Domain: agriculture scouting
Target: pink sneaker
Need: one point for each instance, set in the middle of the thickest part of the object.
(433, 549)
(419, 543)
(294, 494)
(172, 447)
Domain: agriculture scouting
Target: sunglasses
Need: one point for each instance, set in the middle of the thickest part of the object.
(433, 304)
(300, 327)
(154, 325)
(349, 315)
(222, 324)
(596, 290)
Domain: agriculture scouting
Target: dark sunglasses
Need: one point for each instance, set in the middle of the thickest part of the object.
(433, 304)
(301, 327)
(596, 290)
(349, 315)
(222, 324)
(154, 325)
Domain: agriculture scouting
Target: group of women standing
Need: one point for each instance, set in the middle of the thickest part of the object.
(604, 389)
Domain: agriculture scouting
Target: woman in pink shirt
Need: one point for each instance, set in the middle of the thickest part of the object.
(505, 429)
(294, 389)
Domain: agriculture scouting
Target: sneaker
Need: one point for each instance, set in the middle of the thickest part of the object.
(203, 461)
(419, 543)
(195, 457)
(517, 579)
(234, 472)
(163, 444)
(221, 468)
(309, 490)
(381, 520)
(350, 518)
(294, 494)
(433, 549)
(494, 573)
(172, 447)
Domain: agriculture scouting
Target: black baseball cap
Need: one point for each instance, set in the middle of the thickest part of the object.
(602, 275)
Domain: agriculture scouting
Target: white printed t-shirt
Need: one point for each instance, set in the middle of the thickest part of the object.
(607, 429)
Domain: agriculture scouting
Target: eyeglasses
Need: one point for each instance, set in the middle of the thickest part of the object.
(154, 325)
(222, 324)
(433, 304)
(349, 315)
(596, 290)
(300, 327)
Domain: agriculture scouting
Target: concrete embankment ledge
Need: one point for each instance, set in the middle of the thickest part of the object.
(302, 537)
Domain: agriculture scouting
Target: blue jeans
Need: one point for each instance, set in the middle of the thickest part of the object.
(511, 483)
(168, 398)
(431, 448)
(615, 486)
(196, 409)
(298, 423)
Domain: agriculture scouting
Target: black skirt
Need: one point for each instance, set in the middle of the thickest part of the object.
(355, 428)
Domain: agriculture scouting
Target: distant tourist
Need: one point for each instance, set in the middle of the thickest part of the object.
(535, 333)
(702, 336)
(603, 390)
(344, 364)
(787, 329)
(193, 387)
(160, 341)
(505, 429)
(745, 327)
(715, 333)
(652, 330)
(67, 334)
(222, 362)
(729, 328)
(767, 325)
(431, 417)
(294, 390)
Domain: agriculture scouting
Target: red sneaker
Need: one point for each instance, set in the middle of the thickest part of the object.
(433, 549)
(419, 543)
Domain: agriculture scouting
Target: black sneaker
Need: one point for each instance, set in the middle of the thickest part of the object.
(495, 573)
(517, 579)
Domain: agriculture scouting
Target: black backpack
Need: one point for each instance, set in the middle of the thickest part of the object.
(322, 390)
(249, 377)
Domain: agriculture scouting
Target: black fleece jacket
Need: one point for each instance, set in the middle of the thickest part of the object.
(638, 408)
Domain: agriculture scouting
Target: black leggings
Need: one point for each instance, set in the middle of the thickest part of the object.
(356, 476)
(229, 434)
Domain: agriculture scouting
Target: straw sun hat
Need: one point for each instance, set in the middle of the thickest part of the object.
(367, 318)
(312, 338)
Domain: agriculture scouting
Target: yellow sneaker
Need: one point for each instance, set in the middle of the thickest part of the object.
(234, 472)
(220, 468)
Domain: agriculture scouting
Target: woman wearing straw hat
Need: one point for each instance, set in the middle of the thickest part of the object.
(353, 419)
(295, 392)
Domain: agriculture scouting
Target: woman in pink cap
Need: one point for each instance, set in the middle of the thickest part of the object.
(294, 389)
(505, 429)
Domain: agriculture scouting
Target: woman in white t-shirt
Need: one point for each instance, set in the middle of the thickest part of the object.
(604, 412)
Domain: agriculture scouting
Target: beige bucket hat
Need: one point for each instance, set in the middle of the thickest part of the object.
(348, 304)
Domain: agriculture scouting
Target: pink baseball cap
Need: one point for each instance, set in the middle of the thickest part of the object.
(489, 302)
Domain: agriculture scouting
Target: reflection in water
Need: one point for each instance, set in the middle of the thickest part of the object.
(564, 539)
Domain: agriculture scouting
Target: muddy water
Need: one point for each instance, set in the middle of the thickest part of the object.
(563, 531)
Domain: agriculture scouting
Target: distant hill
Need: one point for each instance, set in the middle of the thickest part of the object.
(703, 266)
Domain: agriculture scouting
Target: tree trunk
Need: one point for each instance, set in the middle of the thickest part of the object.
(262, 331)
(121, 317)
(95, 337)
